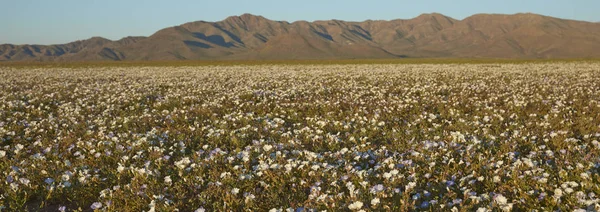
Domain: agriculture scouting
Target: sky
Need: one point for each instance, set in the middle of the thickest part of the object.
(63, 21)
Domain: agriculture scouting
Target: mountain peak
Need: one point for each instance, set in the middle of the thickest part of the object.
(431, 15)
(441, 21)
(510, 19)
(247, 21)
(98, 38)
(245, 17)
(516, 15)
(250, 15)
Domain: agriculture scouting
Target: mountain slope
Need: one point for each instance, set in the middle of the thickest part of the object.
(255, 37)
(95, 48)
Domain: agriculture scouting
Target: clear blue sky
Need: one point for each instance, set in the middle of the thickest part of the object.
(61, 21)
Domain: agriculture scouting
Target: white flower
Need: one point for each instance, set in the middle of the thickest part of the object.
(181, 164)
(315, 167)
(375, 201)
(82, 179)
(355, 205)
(584, 175)
(168, 180)
(558, 193)
(432, 116)
(225, 174)
(18, 148)
(496, 179)
(483, 209)
(507, 207)
(24, 181)
(501, 200)
(249, 197)
(486, 119)
(235, 191)
(120, 168)
(2, 153)
(387, 175)
(410, 186)
(14, 186)
(267, 147)
(569, 190)
(66, 176)
(201, 209)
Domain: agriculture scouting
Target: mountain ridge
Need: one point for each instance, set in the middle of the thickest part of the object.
(248, 37)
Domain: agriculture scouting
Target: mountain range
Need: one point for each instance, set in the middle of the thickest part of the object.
(251, 37)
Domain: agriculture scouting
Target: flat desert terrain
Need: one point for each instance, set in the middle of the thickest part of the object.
(372, 137)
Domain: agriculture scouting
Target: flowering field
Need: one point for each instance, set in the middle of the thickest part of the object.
(476, 137)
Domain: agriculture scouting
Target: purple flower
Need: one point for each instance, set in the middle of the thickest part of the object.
(49, 181)
(457, 201)
(542, 196)
(377, 188)
(96, 205)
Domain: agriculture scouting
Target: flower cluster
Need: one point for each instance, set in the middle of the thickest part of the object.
(485, 137)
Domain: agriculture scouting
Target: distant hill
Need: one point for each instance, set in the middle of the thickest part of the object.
(248, 37)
